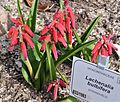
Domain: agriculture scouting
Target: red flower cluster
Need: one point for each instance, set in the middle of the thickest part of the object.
(20, 32)
(56, 84)
(103, 47)
(63, 23)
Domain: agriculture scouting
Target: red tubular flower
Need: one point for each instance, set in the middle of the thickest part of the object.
(104, 38)
(62, 83)
(52, 24)
(14, 39)
(43, 46)
(63, 23)
(97, 46)
(28, 30)
(58, 15)
(44, 30)
(60, 27)
(110, 36)
(67, 24)
(49, 87)
(10, 33)
(17, 21)
(55, 91)
(46, 38)
(56, 84)
(104, 47)
(62, 40)
(70, 36)
(54, 51)
(109, 48)
(104, 51)
(61, 16)
(71, 15)
(95, 56)
(42, 38)
(28, 39)
(13, 20)
(115, 48)
(54, 34)
(24, 50)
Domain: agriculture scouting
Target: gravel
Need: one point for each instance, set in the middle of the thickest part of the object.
(13, 87)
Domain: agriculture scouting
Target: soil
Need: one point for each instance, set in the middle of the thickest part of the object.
(13, 87)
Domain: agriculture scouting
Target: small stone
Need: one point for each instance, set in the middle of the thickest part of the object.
(0, 99)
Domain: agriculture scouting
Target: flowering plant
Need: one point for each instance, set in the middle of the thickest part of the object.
(39, 52)
(103, 47)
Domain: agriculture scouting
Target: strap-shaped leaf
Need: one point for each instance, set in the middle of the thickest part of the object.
(73, 52)
(32, 15)
(50, 63)
(89, 29)
(77, 37)
(25, 73)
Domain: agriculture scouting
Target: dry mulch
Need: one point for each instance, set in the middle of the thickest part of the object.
(13, 87)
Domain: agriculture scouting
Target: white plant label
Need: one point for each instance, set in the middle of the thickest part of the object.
(89, 83)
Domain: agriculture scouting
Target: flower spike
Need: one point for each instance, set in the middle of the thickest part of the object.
(71, 15)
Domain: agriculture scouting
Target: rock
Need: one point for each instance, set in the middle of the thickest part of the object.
(3, 21)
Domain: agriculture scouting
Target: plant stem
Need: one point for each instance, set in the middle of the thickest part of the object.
(19, 11)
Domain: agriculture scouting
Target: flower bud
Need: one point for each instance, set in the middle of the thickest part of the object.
(28, 30)
(44, 30)
(14, 39)
(54, 51)
(10, 33)
(24, 50)
(72, 17)
(28, 39)
(97, 46)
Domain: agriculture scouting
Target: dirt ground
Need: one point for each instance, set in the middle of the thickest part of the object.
(13, 87)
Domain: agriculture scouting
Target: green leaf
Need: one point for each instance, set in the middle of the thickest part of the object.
(68, 99)
(50, 63)
(37, 53)
(77, 37)
(25, 73)
(40, 80)
(53, 68)
(73, 52)
(41, 63)
(89, 29)
(87, 52)
(32, 15)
